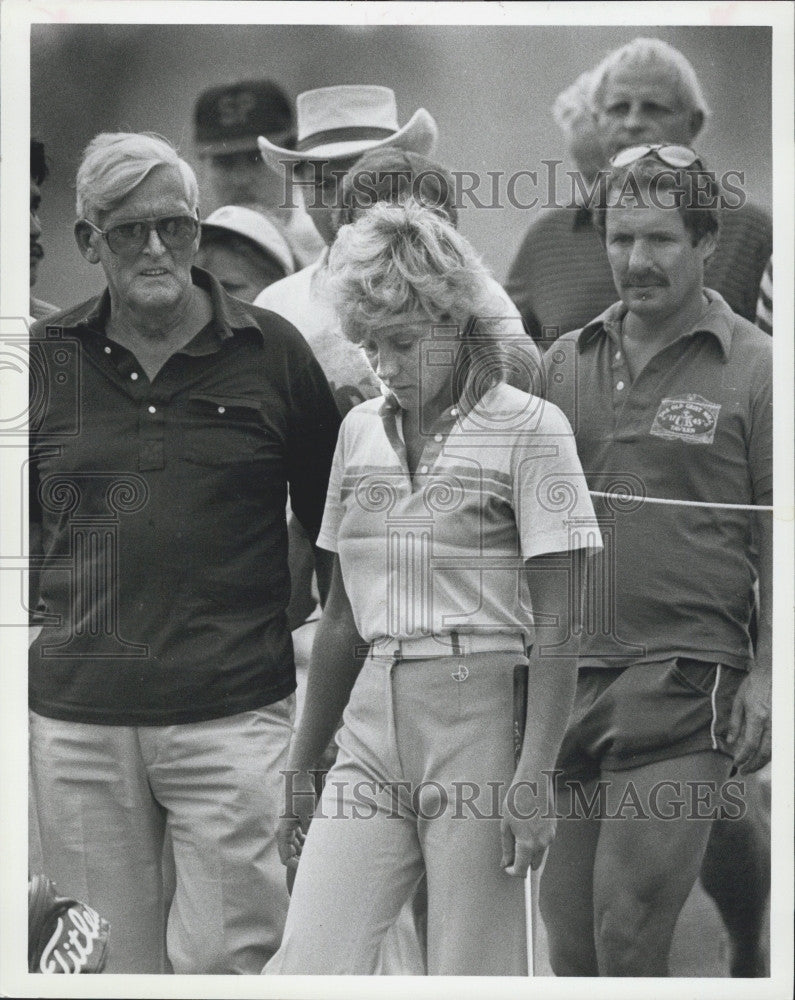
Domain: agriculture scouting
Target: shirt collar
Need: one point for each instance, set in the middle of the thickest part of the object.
(230, 315)
(716, 319)
(390, 409)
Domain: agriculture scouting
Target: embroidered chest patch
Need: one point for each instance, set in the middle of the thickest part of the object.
(691, 419)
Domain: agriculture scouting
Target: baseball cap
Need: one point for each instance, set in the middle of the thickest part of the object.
(228, 119)
(255, 227)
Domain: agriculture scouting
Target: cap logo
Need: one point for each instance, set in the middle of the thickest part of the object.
(234, 109)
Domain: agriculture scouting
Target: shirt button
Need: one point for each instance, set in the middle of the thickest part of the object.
(454, 412)
(222, 409)
(134, 375)
(618, 355)
(619, 386)
(107, 350)
(437, 437)
(152, 409)
(424, 469)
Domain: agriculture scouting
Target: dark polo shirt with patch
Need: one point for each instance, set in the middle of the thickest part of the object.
(163, 561)
(696, 424)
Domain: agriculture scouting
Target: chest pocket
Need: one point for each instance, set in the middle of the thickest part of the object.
(222, 430)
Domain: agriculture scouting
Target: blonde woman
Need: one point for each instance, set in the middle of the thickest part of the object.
(450, 511)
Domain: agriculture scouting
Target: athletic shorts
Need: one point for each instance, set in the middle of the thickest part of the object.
(625, 717)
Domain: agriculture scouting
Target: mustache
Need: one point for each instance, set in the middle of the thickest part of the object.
(644, 278)
(36, 250)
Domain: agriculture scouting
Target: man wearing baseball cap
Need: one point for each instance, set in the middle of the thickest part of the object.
(227, 121)
(244, 250)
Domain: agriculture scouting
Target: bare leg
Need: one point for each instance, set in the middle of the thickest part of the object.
(736, 874)
(646, 867)
(566, 897)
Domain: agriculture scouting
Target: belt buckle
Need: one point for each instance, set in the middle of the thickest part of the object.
(461, 674)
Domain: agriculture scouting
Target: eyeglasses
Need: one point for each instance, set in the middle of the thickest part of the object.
(176, 232)
(673, 156)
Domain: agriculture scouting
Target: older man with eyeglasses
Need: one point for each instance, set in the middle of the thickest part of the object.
(643, 92)
(169, 421)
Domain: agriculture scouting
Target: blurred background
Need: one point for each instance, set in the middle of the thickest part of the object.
(490, 89)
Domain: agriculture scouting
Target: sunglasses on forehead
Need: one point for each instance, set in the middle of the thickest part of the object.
(671, 155)
(176, 232)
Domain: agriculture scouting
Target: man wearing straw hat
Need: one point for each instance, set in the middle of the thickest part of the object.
(669, 395)
(335, 126)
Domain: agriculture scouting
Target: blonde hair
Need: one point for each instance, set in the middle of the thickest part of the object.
(406, 261)
(115, 163)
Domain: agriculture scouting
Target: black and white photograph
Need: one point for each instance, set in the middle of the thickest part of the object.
(396, 534)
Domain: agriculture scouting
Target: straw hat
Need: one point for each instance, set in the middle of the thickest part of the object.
(337, 123)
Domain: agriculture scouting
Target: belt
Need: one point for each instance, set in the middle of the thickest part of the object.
(451, 644)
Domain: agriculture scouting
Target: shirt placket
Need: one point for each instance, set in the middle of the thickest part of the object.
(150, 405)
(431, 449)
(620, 380)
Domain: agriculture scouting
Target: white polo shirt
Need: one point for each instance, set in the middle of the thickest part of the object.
(445, 550)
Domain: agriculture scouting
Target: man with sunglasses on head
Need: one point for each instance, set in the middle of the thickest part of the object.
(669, 395)
(169, 421)
(645, 91)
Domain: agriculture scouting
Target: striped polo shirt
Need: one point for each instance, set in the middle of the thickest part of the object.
(764, 306)
(444, 550)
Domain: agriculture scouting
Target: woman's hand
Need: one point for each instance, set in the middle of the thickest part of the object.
(528, 827)
(292, 826)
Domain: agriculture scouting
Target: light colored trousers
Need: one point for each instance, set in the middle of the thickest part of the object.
(106, 796)
(368, 846)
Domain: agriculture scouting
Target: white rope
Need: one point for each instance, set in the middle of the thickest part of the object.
(623, 497)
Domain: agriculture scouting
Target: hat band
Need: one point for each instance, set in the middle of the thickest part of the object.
(350, 134)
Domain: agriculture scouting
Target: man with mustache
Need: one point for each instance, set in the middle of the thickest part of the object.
(38, 173)
(644, 91)
(669, 395)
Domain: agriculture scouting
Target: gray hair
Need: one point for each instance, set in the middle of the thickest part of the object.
(115, 163)
(574, 103)
(651, 51)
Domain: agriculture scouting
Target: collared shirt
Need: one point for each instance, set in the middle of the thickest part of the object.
(164, 577)
(560, 278)
(445, 549)
(694, 425)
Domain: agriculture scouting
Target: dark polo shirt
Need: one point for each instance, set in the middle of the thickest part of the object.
(162, 510)
(696, 424)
